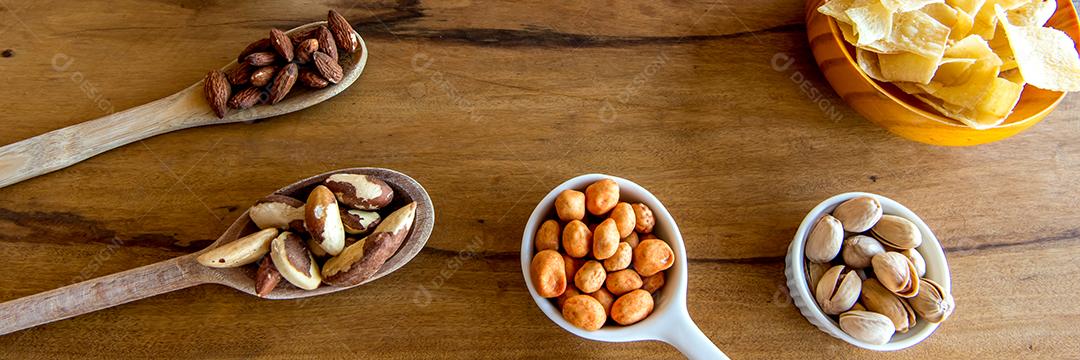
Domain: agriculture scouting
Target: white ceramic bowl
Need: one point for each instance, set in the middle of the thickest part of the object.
(669, 321)
(937, 269)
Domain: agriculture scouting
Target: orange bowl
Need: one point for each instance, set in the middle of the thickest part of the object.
(904, 115)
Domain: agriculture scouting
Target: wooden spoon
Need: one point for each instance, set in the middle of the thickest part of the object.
(183, 272)
(64, 147)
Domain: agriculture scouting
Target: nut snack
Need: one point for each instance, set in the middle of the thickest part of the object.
(597, 258)
(871, 278)
(341, 235)
(268, 68)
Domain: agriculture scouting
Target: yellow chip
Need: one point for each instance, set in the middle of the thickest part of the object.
(907, 5)
(907, 67)
(969, 117)
(1013, 75)
(868, 62)
(953, 71)
(969, 93)
(836, 8)
(872, 22)
(944, 14)
(962, 27)
(972, 47)
(967, 6)
(1034, 13)
(910, 88)
(1046, 57)
(919, 33)
(1001, 98)
(985, 22)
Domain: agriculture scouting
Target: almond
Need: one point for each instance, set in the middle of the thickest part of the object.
(282, 44)
(305, 49)
(344, 34)
(217, 90)
(246, 98)
(241, 74)
(257, 46)
(283, 82)
(262, 58)
(328, 67)
(312, 79)
(263, 75)
(326, 42)
(300, 36)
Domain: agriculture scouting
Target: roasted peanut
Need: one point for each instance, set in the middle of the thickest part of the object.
(605, 240)
(643, 217)
(569, 293)
(547, 238)
(622, 258)
(633, 239)
(632, 307)
(570, 205)
(577, 239)
(624, 217)
(605, 298)
(653, 256)
(548, 273)
(653, 283)
(623, 281)
(572, 265)
(585, 312)
(590, 277)
(646, 236)
(601, 196)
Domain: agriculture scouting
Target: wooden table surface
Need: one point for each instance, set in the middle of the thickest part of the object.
(489, 105)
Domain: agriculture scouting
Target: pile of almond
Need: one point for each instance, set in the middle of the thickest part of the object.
(315, 241)
(268, 68)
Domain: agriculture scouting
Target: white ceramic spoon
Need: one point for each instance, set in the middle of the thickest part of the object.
(669, 322)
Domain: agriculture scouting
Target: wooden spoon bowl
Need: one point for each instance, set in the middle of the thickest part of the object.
(183, 272)
(64, 147)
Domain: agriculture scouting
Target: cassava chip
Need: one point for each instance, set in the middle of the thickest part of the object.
(1046, 57)
(944, 14)
(962, 27)
(872, 22)
(1001, 98)
(908, 5)
(919, 33)
(868, 62)
(1033, 13)
(953, 71)
(836, 9)
(967, 6)
(907, 67)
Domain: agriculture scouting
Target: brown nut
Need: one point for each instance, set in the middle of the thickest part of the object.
(633, 240)
(548, 273)
(605, 298)
(305, 49)
(217, 89)
(293, 260)
(585, 312)
(282, 44)
(376, 248)
(601, 196)
(357, 222)
(267, 277)
(327, 45)
(647, 236)
(624, 217)
(643, 218)
(577, 239)
(246, 98)
(283, 83)
(261, 58)
(257, 46)
(361, 192)
(605, 240)
(623, 281)
(328, 67)
(312, 79)
(570, 205)
(316, 250)
(241, 74)
(572, 266)
(653, 256)
(344, 35)
(322, 218)
(632, 307)
(590, 277)
(653, 283)
(547, 238)
(263, 75)
(622, 258)
(239, 252)
(566, 295)
(278, 211)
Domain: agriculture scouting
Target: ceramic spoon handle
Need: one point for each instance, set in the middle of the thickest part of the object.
(61, 148)
(690, 341)
(99, 293)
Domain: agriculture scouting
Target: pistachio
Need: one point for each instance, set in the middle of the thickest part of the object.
(858, 214)
(896, 273)
(878, 299)
(823, 243)
(859, 249)
(293, 260)
(933, 302)
(239, 252)
(867, 326)
(358, 222)
(814, 271)
(322, 218)
(278, 211)
(838, 290)
(916, 259)
(897, 232)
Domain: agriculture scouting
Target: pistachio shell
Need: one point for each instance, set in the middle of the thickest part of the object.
(878, 299)
(859, 249)
(823, 243)
(916, 259)
(858, 214)
(897, 232)
(838, 290)
(814, 271)
(933, 302)
(896, 273)
(867, 326)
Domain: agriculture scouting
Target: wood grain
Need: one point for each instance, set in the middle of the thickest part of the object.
(489, 105)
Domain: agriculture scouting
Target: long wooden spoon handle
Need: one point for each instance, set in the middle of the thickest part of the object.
(100, 293)
(64, 147)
